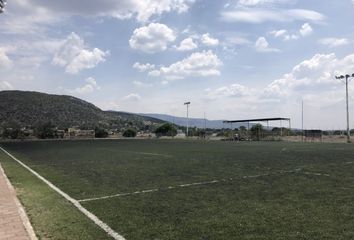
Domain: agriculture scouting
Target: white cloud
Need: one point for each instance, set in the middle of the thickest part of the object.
(251, 2)
(334, 42)
(142, 84)
(199, 64)
(234, 90)
(5, 61)
(75, 57)
(33, 17)
(146, 9)
(143, 67)
(262, 45)
(90, 86)
(271, 15)
(152, 38)
(254, 3)
(26, 17)
(306, 30)
(315, 75)
(187, 44)
(237, 40)
(207, 40)
(286, 35)
(291, 37)
(142, 11)
(279, 33)
(312, 80)
(132, 97)
(4, 85)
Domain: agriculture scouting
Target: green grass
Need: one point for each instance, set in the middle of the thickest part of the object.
(278, 206)
(52, 217)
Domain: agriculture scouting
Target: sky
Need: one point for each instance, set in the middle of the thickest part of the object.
(232, 59)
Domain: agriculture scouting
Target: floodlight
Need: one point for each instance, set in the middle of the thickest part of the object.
(347, 78)
(187, 103)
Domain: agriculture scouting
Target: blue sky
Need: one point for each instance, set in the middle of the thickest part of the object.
(232, 59)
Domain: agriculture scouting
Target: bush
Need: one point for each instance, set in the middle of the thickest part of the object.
(129, 133)
(166, 129)
(100, 133)
(46, 130)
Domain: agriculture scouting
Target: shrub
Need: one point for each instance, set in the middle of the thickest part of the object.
(129, 133)
(100, 133)
(166, 129)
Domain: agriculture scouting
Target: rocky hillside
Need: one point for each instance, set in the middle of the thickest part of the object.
(33, 108)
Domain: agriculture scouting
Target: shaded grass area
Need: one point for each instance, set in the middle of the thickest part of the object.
(52, 217)
(278, 206)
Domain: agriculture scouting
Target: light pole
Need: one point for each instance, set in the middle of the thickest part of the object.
(187, 103)
(2, 5)
(346, 77)
(302, 120)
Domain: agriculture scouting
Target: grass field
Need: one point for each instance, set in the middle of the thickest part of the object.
(242, 190)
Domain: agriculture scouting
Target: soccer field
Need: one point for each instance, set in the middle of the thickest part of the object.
(170, 189)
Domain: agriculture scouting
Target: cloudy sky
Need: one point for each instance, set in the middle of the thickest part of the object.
(232, 59)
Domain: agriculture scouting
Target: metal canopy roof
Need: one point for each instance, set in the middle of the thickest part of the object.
(258, 120)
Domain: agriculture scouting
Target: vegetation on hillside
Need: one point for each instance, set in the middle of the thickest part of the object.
(43, 114)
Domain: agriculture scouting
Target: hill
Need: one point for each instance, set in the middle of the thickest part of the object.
(24, 108)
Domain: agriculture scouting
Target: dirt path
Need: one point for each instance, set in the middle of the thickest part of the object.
(14, 223)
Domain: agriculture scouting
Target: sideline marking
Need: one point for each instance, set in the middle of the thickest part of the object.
(76, 203)
(298, 171)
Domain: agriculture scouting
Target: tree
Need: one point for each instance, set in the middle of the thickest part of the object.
(46, 130)
(256, 131)
(166, 129)
(130, 133)
(100, 133)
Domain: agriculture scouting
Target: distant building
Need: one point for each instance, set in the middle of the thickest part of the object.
(74, 132)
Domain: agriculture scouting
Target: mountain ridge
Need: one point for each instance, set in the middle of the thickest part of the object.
(31, 108)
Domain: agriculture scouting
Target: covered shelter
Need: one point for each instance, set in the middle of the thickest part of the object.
(258, 120)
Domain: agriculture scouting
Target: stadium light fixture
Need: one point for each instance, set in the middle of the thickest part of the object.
(346, 77)
(187, 104)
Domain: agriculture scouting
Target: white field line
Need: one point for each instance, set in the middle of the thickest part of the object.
(148, 153)
(90, 215)
(200, 184)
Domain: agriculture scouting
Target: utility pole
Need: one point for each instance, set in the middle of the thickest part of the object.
(204, 122)
(346, 77)
(187, 103)
(302, 120)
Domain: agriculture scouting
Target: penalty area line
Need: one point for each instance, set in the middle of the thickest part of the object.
(76, 203)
